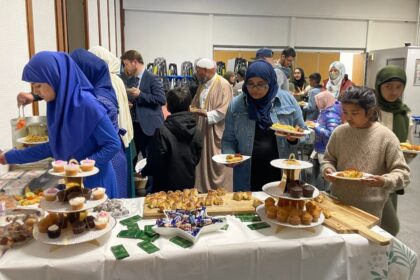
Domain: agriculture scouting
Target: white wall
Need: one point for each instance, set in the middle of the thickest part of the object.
(104, 23)
(112, 47)
(14, 54)
(156, 27)
(93, 23)
(411, 92)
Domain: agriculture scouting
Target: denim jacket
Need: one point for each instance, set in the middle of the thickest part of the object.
(238, 136)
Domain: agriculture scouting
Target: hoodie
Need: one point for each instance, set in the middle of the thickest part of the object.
(173, 153)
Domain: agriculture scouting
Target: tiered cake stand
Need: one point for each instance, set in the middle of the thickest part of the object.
(278, 189)
(67, 236)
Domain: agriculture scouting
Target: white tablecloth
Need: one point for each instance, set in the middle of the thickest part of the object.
(237, 253)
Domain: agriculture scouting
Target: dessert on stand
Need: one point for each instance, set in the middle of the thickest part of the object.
(290, 203)
(70, 220)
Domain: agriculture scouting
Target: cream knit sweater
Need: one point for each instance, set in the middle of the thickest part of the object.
(375, 150)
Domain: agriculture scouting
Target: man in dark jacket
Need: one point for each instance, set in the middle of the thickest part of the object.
(176, 147)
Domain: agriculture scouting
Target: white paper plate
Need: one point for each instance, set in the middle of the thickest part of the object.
(64, 207)
(79, 175)
(67, 236)
(365, 176)
(22, 140)
(261, 212)
(282, 163)
(410, 151)
(140, 165)
(290, 132)
(167, 231)
(273, 189)
(222, 159)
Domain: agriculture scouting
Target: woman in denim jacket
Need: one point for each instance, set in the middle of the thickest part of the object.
(247, 127)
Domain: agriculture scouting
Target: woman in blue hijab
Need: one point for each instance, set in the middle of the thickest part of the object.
(78, 126)
(247, 127)
(97, 72)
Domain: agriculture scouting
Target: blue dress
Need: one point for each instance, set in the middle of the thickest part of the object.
(100, 146)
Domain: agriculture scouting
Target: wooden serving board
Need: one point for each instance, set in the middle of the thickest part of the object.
(229, 207)
(349, 219)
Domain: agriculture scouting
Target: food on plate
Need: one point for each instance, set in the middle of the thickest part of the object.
(221, 191)
(98, 193)
(36, 138)
(59, 165)
(256, 203)
(72, 168)
(271, 212)
(53, 231)
(409, 147)
(308, 190)
(287, 127)
(29, 197)
(114, 207)
(16, 225)
(310, 124)
(90, 222)
(350, 173)
(77, 203)
(78, 227)
(294, 220)
(232, 158)
(62, 221)
(292, 161)
(101, 220)
(87, 165)
(238, 196)
(10, 201)
(269, 201)
(296, 192)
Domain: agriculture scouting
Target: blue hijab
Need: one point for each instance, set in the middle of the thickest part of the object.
(97, 72)
(75, 112)
(259, 109)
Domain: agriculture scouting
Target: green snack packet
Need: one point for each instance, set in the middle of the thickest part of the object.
(148, 247)
(137, 234)
(119, 252)
(134, 226)
(131, 220)
(149, 231)
(258, 226)
(182, 242)
(246, 219)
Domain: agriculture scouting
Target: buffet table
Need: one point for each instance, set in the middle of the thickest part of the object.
(235, 253)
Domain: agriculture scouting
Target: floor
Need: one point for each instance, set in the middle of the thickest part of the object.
(408, 209)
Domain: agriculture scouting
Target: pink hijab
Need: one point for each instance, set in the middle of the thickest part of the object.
(324, 100)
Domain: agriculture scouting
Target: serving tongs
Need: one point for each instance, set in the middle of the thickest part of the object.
(21, 122)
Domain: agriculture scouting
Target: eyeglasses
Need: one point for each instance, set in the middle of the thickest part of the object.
(256, 87)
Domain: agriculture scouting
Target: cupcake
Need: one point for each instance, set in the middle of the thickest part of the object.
(62, 196)
(77, 203)
(306, 218)
(98, 193)
(296, 192)
(72, 169)
(269, 202)
(282, 215)
(54, 231)
(72, 217)
(86, 193)
(59, 166)
(307, 190)
(87, 165)
(271, 212)
(50, 194)
(294, 220)
(78, 227)
(72, 195)
(101, 220)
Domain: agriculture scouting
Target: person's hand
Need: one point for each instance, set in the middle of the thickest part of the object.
(3, 159)
(327, 175)
(130, 105)
(374, 181)
(134, 92)
(24, 98)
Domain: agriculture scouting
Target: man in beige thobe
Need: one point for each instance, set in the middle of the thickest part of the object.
(210, 104)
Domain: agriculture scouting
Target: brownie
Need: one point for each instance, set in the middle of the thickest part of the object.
(308, 190)
(296, 192)
(90, 222)
(78, 227)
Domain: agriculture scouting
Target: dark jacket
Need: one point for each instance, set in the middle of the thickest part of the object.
(148, 105)
(174, 153)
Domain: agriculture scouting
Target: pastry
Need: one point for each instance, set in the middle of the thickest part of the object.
(43, 225)
(315, 214)
(77, 203)
(282, 215)
(307, 190)
(98, 193)
(101, 220)
(59, 166)
(296, 192)
(256, 203)
(294, 220)
(246, 195)
(271, 212)
(87, 165)
(269, 202)
(237, 196)
(50, 194)
(306, 218)
(78, 227)
(234, 158)
(53, 231)
(350, 173)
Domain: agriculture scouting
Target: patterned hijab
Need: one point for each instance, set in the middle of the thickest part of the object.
(397, 108)
(334, 85)
(259, 109)
(75, 112)
(97, 72)
(324, 100)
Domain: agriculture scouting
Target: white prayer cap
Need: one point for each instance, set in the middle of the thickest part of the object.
(206, 63)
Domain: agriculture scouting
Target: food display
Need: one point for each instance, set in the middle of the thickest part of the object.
(9, 201)
(286, 128)
(114, 207)
(229, 158)
(238, 196)
(29, 197)
(310, 124)
(350, 173)
(16, 226)
(188, 224)
(36, 138)
(72, 168)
